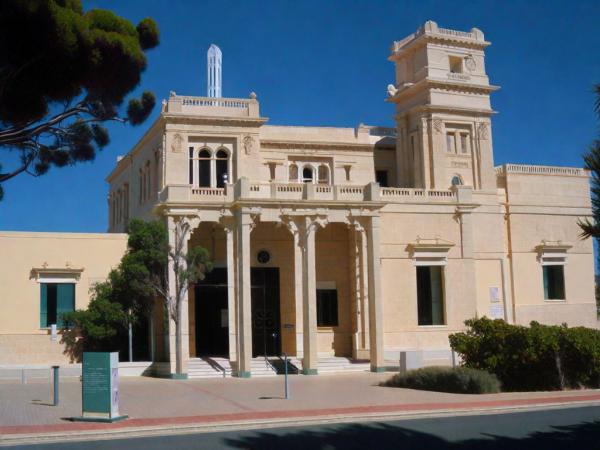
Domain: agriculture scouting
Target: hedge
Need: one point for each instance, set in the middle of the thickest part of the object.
(459, 380)
(535, 358)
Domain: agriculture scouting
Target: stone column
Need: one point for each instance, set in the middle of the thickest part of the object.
(309, 294)
(229, 227)
(359, 257)
(364, 292)
(375, 297)
(179, 233)
(294, 228)
(244, 223)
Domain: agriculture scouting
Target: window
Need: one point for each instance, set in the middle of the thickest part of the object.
(204, 168)
(554, 282)
(222, 163)
(450, 143)
(347, 170)
(327, 308)
(126, 203)
(191, 168)
(148, 180)
(55, 300)
(430, 295)
(293, 173)
(456, 181)
(381, 176)
(140, 187)
(456, 64)
(323, 174)
(464, 143)
(272, 170)
(307, 174)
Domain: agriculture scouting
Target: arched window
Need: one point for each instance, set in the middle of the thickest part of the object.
(222, 165)
(307, 174)
(293, 173)
(323, 174)
(456, 181)
(204, 168)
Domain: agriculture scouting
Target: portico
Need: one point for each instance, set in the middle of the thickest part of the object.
(287, 233)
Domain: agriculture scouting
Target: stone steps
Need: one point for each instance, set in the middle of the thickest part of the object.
(204, 368)
(336, 364)
(219, 367)
(260, 368)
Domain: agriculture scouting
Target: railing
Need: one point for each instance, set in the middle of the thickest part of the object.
(301, 191)
(208, 192)
(209, 106)
(540, 170)
(209, 101)
(462, 34)
(458, 76)
(400, 194)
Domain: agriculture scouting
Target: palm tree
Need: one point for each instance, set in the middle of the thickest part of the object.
(592, 163)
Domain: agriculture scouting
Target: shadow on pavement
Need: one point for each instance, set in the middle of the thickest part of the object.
(388, 437)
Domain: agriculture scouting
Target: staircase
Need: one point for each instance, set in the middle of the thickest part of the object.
(340, 364)
(260, 368)
(208, 368)
(337, 365)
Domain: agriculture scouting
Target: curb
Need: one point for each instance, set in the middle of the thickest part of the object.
(236, 425)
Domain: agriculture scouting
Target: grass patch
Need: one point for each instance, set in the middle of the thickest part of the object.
(458, 380)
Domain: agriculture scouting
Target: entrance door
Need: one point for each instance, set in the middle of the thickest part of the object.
(266, 332)
(212, 323)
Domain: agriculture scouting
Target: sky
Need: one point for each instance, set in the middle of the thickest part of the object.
(325, 63)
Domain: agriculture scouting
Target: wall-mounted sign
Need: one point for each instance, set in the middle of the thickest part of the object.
(496, 306)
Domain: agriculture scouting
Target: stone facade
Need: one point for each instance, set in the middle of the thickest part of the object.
(411, 229)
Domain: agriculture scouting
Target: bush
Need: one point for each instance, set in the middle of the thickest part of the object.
(539, 357)
(459, 380)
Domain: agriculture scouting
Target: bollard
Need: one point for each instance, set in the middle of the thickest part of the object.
(56, 380)
(285, 359)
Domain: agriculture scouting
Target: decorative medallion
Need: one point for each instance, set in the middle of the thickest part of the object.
(176, 145)
(249, 145)
(470, 63)
(437, 125)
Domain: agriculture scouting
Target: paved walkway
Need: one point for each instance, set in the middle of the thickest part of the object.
(151, 402)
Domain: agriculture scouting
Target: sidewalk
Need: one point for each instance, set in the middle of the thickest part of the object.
(156, 405)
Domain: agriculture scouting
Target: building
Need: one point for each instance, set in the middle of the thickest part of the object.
(357, 242)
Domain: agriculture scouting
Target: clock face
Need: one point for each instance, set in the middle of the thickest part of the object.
(263, 257)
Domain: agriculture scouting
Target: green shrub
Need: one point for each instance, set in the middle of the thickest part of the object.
(459, 380)
(539, 357)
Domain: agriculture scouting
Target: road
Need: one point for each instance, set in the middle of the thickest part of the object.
(555, 429)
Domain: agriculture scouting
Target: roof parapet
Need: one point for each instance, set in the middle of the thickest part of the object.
(431, 28)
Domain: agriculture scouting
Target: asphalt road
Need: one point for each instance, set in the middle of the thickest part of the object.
(567, 428)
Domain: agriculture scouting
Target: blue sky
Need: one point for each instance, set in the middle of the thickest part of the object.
(324, 63)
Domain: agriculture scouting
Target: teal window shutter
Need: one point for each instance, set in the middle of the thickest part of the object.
(65, 301)
(43, 305)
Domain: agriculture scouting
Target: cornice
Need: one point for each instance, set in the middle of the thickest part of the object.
(312, 145)
(126, 159)
(441, 84)
(445, 109)
(253, 122)
(426, 38)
